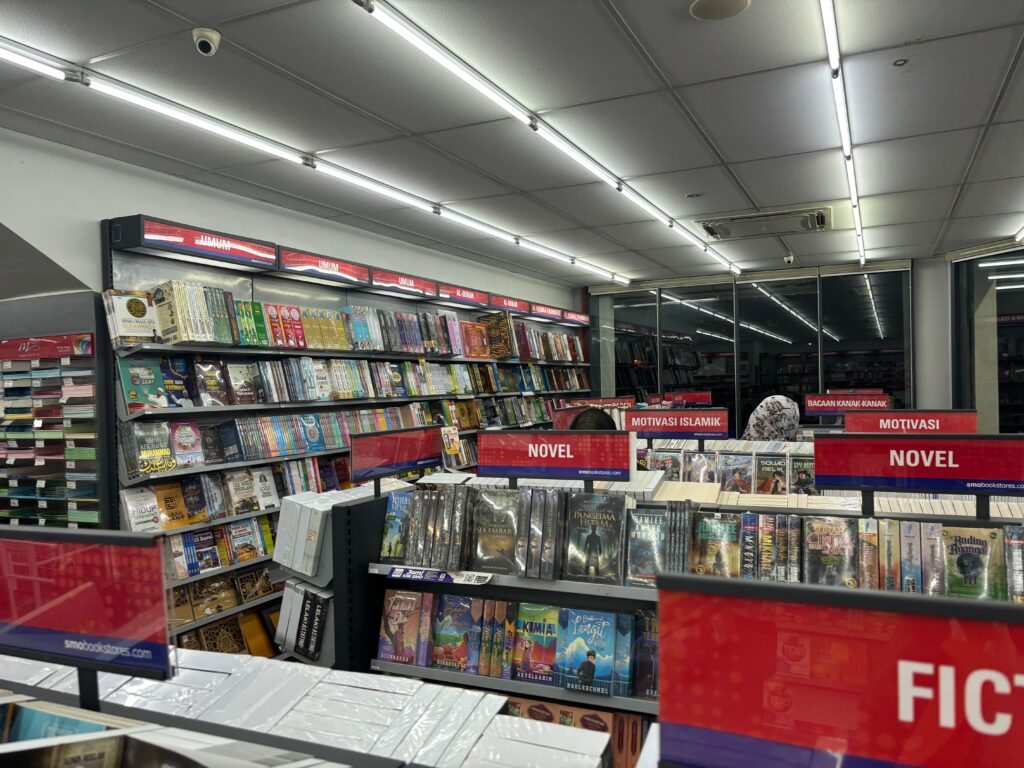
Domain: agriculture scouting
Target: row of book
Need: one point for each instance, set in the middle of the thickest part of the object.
(246, 632)
(181, 312)
(599, 652)
(459, 453)
(645, 485)
(217, 594)
(194, 553)
(771, 474)
(305, 627)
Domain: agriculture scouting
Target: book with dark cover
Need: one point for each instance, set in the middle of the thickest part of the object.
(152, 447)
(179, 380)
(715, 548)
(802, 476)
(399, 626)
(495, 515)
(454, 624)
(241, 385)
(213, 449)
(645, 546)
(240, 490)
(645, 654)
(795, 535)
(766, 546)
(535, 643)
(975, 563)
(194, 494)
(889, 555)
(770, 474)
(425, 641)
(396, 526)
(508, 647)
(500, 336)
(736, 472)
(551, 549)
(830, 555)
(187, 442)
(318, 625)
(622, 667)
(206, 550)
(210, 382)
(867, 553)
(595, 538)
(230, 442)
(748, 545)
(305, 619)
(587, 640)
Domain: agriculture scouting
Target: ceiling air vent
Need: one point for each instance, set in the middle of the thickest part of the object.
(792, 222)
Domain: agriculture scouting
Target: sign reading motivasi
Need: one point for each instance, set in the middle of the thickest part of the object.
(405, 283)
(146, 234)
(688, 398)
(510, 304)
(557, 455)
(540, 310)
(957, 463)
(837, 405)
(682, 424)
(325, 267)
(89, 599)
(462, 295)
(913, 422)
(820, 684)
(380, 454)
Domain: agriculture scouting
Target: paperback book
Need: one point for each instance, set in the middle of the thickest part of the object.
(736, 472)
(595, 536)
(830, 551)
(399, 626)
(587, 640)
(771, 475)
(714, 549)
(535, 643)
(975, 563)
(646, 546)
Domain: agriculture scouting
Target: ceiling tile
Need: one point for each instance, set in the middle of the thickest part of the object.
(226, 86)
(577, 242)
(991, 197)
(1002, 154)
(920, 233)
(643, 234)
(868, 24)
(339, 47)
(814, 243)
(718, 192)
(1012, 106)
(899, 252)
(634, 136)
(947, 84)
(380, 228)
(765, 36)
(412, 167)
(258, 192)
(906, 207)
(546, 55)
(77, 31)
(682, 256)
(964, 233)
(205, 13)
(919, 162)
(594, 204)
(795, 179)
(428, 225)
(781, 112)
(758, 249)
(512, 152)
(513, 213)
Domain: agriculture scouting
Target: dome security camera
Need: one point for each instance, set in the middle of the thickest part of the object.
(789, 258)
(207, 41)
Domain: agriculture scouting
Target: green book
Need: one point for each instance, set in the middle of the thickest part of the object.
(142, 383)
(245, 335)
(975, 563)
(260, 323)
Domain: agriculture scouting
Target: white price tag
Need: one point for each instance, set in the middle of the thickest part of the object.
(40, 443)
(470, 577)
(40, 483)
(71, 443)
(43, 504)
(10, 460)
(12, 443)
(41, 521)
(39, 462)
(67, 423)
(68, 381)
(72, 505)
(65, 361)
(527, 394)
(72, 484)
(12, 483)
(14, 502)
(37, 423)
(34, 364)
(14, 521)
(72, 525)
(8, 364)
(71, 464)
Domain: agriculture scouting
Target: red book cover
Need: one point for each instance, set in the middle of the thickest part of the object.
(294, 316)
(475, 339)
(274, 325)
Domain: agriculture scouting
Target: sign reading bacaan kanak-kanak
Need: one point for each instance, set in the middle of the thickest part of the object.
(837, 405)
(679, 425)
(561, 455)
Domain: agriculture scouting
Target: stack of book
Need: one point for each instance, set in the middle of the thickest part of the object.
(194, 553)
(306, 627)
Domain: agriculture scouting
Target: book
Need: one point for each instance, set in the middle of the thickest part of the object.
(179, 380)
(193, 493)
(131, 318)
(645, 546)
(495, 543)
(243, 540)
(645, 664)
(910, 557)
(749, 536)
(766, 546)
(396, 525)
(700, 467)
(399, 626)
(454, 625)
(501, 617)
(213, 448)
(770, 475)
(241, 384)
(486, 638)
(714, 549)
(187, 443)
(587, 640)
(1013, 537)
(266, 489)
(594, 539)
(933, 559)
(171, 506)
(830, 551)
(211, 383)
(240, 492)
(142, 383)
(867, 553)
(140, 509)
(150, 446)
(475, 339)
(669, 462)
(975, 563)
(889, 555)
(736, 472)
(536, 641)
(802, 476)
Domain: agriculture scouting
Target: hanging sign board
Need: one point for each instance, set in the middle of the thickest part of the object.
(540, 310)
(688, 398)
(679, 425)
(150, 235)
(575, 317)
(837, 405)
(558, 455)
(405, 283)
(509, 304)
(913, 422)
(324, 267)
(459, 295)
(380, 454)
(954, 463)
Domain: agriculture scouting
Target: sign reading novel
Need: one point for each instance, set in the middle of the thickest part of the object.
(85, 598)
(561, 455)
(680, 424)
(852, 683)
(688, 398)
(324, 267)
(379, 454)
(913, 422)
(837, 405)
(956, 463)
(150, 235)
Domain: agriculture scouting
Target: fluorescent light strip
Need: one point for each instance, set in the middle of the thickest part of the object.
(1014, 276)
(1003, 263)
(858, 227)
(794, 313)
(374, 186)
(702, 332)
(620, 279)
(839, 96)
(828, 20)
(563, 145)
(479, 226)
(194, 119)
(594, 268)
(644, 205)
(851, 182)
(874, 309)
(530, 246)
(18, 59)
(1020, 235)
(1014, 287)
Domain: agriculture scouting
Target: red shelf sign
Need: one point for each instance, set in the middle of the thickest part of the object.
(407, 283)
(688, 398)
(512, 305)
(575, 317)
(164, 235)
(462, 295)
(957, 463)
(45, 347)
(557, 455)
(324, 267)
(380, 454)
(833, 684)
(913, 422)
(681, 425)
(837, 405)
(543, 311)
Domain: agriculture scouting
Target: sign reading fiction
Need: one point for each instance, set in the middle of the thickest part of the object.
(87, 599)
(926, 690)
(324, 267)
(837, 405)
(913, 422)
(688, 398)
(164, 235)
(462, 295)
(406, 283)
(557, 455)
(380, 454)
(682, 425)
(957, 463)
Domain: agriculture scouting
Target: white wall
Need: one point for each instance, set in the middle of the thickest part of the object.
(54, 197)
(932, 307)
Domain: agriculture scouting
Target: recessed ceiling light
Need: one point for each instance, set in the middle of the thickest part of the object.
(695, 194)
(900, 62)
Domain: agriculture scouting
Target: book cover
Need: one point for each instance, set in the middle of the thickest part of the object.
(473, 658)
(210, 382)
(766, 545)
(475, 339)
(889, 555)
(595, 534)
(244, 544)
(622, 668)
(142, 383)
(910, 557)
(311, 432)
(266, 489)
(535, 643)
(645, 546)
(645, 665)
(509, 646)
(770, 475)
(933, 559)
(748, 545)
(399, 626)
(975, 563)
(1013, 536)
(196, 506)
(669, 462)
(714, 549)
(736, 472)
(213, 448)
(589, 650)
(171, 505)
(486, 639)
(187, 443)
(501, 614)
(396, 525)
(453, 626)
(140, 510)
(867, 555)
(206, 551)
(802, 477)
(495, 516)
(242, 387)
(425, 640)
(700, 467)
(152, 447)
(830, 551)
(240, 490)
(131, 317)
(500, 337)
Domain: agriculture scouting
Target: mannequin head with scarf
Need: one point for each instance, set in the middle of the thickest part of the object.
(776, 418)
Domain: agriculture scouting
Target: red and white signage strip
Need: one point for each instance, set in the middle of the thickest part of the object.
(957, 463)
(46, 347)
(404, 283)
(837, 405)
(540, 310)
(557, 455)
(461, 295)
(599, 402)
(176, 238)
(688, 398)
(913, 422)
(575, 317)
(393, 453)
(324, 267)
(509, 304)
(682, 424)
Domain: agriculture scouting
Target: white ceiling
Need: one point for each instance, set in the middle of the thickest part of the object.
(738, 112)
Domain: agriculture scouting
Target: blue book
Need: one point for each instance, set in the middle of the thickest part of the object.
(622, 678)
(311, 432)
(230, 444)
(588, 648)
(396, 521)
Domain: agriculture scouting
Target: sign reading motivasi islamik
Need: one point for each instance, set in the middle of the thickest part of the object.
(557, 455)
(955, 463)
(380, 454)
(837, 405)
(682, 424)
(910, 422)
